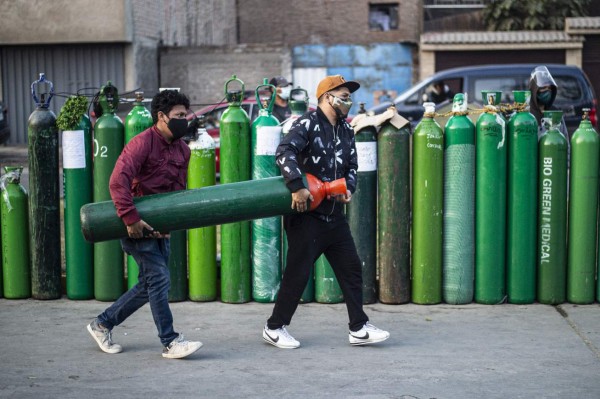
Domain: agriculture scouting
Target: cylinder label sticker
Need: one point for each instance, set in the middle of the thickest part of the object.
(267, 140)
(73, 145)
(367, 156)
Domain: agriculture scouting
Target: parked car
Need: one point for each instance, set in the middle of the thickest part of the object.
(575, 91)
(4, 127)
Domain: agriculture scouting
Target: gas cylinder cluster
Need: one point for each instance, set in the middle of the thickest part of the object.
(501, 210)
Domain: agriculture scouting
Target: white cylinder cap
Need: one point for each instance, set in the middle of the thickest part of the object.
(429, 108)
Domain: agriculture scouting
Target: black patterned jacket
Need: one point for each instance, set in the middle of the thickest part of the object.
(328, 152)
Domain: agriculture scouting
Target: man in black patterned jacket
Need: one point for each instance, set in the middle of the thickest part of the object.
(321, 143)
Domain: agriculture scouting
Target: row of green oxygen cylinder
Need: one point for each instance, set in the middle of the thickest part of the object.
(31, 261)
(490, 210)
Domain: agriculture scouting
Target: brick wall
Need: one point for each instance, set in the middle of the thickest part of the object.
(323, 22)
(175, 23)
(201, 72)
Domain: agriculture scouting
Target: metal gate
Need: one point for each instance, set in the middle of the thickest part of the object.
(69, 67)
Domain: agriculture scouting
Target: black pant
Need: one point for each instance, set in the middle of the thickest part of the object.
(308, 238)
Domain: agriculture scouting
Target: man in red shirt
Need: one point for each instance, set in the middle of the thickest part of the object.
(155, 161)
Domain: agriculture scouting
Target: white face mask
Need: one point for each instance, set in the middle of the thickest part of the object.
(285, 92)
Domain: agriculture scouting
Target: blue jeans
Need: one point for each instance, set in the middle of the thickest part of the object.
(152, 257)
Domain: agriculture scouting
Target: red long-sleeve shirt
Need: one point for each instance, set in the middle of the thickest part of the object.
(149, 164)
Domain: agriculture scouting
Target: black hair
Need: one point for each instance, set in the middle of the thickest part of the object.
(165, 101)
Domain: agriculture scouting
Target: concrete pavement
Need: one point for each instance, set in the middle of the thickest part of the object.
(441, 351)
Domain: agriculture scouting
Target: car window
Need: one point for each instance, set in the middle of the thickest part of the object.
(252, 110)
(213, 118)
(568, 90)
(504, 84)
(416, 98)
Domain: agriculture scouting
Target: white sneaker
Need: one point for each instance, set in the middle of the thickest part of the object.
(179, 348)
(369, 334)
(103, 338)
(280, 338)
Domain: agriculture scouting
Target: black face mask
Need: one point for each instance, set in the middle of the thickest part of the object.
(178, 128)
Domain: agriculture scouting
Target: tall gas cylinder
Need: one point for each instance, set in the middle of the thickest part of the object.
(552, 210)
(393, 209)
(44, 201)
(428, 192)
(136, 121)
(266, 233)
(362, 210)
(459, 205)
(298, 104)
(583, 206)
(202, 242)
(108, 144)
(178, 266)
(327, 288)
(77, 186)
(234, 166)
(490, 202)
(521, 237)
(16, 271)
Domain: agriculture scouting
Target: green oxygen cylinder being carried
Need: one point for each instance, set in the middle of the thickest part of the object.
(428, 187)
(298, 104)
(44, 197)
(393, 208)
(108, 144)
(77, 184)
(136, 121)
(490, 202)
(552, 210)
(266, 233)
(234, 164)
(521, 243)
(202, 242)
(362, 210)
(15, 235)
(583, 205)
(459, 205)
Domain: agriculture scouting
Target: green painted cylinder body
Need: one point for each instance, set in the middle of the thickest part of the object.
(393, 213)
(522, 171)
(44, 205)
(490, 204)
(583, 207)
(15, 235)
(459, 206)
(327, 288)
(136, 121)
(202, 242)
(78, 186)
(362, 210)
(234, 164)
(266, 233)
(108, 145)
(178, 266)
(428, 171)
(552, 213)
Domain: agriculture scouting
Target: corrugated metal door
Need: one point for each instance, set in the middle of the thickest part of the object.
(69, 67)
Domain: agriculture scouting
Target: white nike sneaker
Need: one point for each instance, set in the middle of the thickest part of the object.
(280, 338)
(369, 334)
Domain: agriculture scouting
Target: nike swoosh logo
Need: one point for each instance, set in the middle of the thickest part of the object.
(366, 336)
(277, 339)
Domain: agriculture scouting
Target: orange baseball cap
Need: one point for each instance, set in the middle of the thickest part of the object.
(333, 82)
